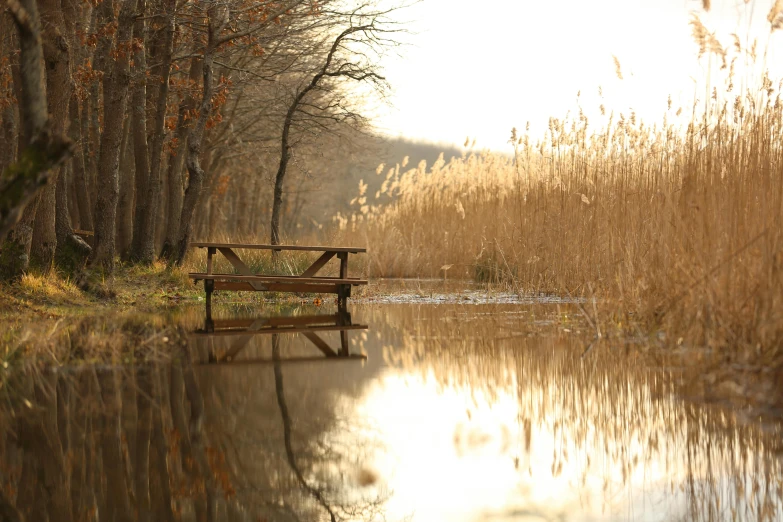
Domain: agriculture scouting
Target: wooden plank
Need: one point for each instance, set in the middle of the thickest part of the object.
(234, 287)
(296, 278)
(239, 286)
(275, 279)
(318, 264)
(298, 329)
(237, 263)
(352, 250)
(298, 320)
(253, 362)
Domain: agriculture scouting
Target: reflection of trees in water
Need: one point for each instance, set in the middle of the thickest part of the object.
(365, 510)
(151, 443)
(99, 444)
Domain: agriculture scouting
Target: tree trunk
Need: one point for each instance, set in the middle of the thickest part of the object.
(127, 193)
(92, 107)
(174, 174)
(138, 115)
(22, 180)
(78, 167)
(195, 173)
(58, 88)
(15, 253)
(8, 116)
(115, 92)
(148, 226)
(92, 139)
(7, 134)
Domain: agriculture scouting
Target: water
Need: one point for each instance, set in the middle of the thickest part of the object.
(450, 412)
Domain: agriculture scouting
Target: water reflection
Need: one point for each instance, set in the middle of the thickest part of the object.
(452, 412)
(242, 330)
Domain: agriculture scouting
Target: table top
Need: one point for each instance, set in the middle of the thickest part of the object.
(351, 250)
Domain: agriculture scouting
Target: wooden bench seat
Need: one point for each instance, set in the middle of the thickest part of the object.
(200, 276)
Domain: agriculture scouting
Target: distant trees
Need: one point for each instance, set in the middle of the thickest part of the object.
(160, 107)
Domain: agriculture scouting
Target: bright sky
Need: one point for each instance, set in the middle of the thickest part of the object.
(480, 67)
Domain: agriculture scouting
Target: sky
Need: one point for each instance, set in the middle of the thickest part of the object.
(478, 68)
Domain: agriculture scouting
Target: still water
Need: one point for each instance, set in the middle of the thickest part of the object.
(426, 412)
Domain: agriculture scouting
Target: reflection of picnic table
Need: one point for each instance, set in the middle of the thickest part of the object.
(306, 282)
(244, 329)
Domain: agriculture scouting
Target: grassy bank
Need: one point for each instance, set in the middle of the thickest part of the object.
(53, 295)
(675, 228)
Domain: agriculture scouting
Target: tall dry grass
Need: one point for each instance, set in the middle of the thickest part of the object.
(679, 225)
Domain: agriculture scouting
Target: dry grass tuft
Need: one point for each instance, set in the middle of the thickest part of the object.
(46, 287)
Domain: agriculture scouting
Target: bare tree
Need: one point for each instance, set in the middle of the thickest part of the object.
(343, 61)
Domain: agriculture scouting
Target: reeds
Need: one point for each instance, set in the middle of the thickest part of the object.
(680, 226)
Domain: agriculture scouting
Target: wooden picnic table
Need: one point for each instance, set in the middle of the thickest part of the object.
(307, 282)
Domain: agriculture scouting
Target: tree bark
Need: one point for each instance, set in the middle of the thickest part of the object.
(115, 91)
(196, 175)
(127, 192)
(78, 167)
(138, 115)
(174, 174)
(22, 180)
(149, 221)
(8, 116)
(58, 88)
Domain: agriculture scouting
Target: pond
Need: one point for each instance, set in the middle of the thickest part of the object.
(461, 410)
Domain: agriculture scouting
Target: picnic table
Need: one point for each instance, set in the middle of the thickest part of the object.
(306, 282)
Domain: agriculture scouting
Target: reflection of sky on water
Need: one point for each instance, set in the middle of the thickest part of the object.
(516, 430)
(459, 413)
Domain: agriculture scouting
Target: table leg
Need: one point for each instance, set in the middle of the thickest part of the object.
(209, 287)
(343, 256)
(210, 254)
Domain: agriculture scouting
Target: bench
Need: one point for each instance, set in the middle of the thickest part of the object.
(307, 282)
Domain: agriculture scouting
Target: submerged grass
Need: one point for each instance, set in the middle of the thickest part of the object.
(676, 228)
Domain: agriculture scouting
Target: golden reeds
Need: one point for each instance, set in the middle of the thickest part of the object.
(679, 227)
